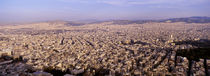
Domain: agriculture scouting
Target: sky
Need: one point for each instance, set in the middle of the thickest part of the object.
(44, 10)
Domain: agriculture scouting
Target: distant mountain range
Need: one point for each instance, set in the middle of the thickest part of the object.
(196, 19)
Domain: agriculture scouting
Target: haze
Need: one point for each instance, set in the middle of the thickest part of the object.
(44, 10)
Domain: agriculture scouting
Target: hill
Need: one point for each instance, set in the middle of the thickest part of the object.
(196, 19)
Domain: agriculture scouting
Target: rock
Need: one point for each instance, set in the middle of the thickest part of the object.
(42, 74)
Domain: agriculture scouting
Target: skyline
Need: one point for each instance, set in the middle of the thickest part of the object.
(44, 10)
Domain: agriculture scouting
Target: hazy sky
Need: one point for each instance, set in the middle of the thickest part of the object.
(42, 10)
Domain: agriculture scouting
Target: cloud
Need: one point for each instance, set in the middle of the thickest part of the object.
(113, 2)
(77, 1)
(146, 3)
(149, 2)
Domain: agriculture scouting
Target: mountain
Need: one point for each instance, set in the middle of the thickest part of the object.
(195, 19)
(66, 23)
(124, 22)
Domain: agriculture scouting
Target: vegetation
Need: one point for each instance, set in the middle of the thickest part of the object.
(195, 54)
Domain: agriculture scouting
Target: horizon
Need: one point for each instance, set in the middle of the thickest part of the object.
(91, 20)
(81, 10)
